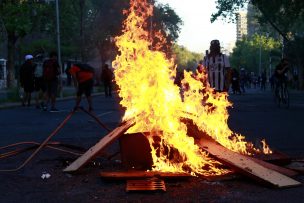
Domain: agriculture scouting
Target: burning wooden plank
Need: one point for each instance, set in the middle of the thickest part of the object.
(246, 165)
(127, 175)
(275, 157)
(98, 147)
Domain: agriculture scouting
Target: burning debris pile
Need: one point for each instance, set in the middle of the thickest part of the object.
(154, 104)
(150, 97)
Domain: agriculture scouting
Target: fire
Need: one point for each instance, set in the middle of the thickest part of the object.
(145, 80)
(265, 148)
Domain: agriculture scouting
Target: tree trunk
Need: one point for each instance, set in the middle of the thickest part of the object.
(82, 53)
(11, 41)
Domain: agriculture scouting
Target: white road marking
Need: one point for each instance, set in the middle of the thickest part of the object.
(100, 115)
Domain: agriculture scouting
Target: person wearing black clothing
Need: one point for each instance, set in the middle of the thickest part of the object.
(235, 83)
(280, 70)
(27, 79)
(263, 81)
(106, 77)
(50, 74)
(280, 73)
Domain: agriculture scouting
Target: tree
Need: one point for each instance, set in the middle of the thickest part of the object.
(246, 53)
(285, 16)
(85, 25)
(108, 24)
(19, 18)
(166, 21)
(186, 59)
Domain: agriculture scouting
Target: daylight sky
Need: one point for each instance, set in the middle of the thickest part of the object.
(198, 31)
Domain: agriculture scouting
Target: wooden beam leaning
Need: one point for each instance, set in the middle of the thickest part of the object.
(98, 147)
(246, 165)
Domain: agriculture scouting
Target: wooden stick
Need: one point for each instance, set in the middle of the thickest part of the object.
(98, 147)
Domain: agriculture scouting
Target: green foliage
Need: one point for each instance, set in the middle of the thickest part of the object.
(85, 25)
(246, 54)
(227, 9)
(285, 16)
(186, 59)
(166, 19)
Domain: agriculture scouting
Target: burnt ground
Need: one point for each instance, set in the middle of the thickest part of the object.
(253, 115)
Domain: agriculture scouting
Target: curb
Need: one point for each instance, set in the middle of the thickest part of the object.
(18, 104)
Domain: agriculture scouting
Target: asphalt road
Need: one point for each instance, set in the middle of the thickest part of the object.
(254, 115)
(28, 123)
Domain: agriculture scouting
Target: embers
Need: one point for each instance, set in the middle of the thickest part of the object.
(150, 184)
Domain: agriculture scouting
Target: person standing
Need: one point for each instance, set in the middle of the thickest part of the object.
(39, 82)
(50, 74)
(235, 82)
(242, 80)
(27, 79)
(217, 65)
(263, 80)
(107, 77)
(83, 78)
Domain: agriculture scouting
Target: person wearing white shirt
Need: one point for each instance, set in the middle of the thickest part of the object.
(217, 65)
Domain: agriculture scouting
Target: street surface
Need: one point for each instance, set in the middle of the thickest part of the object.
(253, 115)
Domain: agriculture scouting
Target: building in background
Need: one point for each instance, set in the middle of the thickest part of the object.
(241, 25)
(253, 25)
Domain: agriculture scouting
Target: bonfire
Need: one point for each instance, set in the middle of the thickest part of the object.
(145, 77)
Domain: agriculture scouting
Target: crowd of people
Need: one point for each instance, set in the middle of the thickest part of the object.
(41, 79)
(224, 78)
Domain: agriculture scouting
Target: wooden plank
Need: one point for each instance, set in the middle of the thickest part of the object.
(193, 131)
(297, 165)
(98, 147)
(282, 170)
(246, 165)
(125, 175)
(276, 157)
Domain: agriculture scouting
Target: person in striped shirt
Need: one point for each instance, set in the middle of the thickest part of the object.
(218, 66)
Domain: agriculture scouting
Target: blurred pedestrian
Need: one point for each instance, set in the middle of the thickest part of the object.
(243, 78)
(39, 82)
(106, 78)
(217, 65)
(272, 81)
(235, 83)
(263, 80)
(83, 78)
(68, 74)
(280, 73)
(51, 71)
(27, 79)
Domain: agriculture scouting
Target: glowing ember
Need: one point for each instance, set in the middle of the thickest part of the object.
(145, 79)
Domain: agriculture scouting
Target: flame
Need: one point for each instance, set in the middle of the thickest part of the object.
(145, 80)
(265, 147)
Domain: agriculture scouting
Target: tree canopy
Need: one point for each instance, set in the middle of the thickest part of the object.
(285, 16)
(85, 26)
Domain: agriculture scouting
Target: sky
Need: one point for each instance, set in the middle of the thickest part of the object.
(197, 30)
